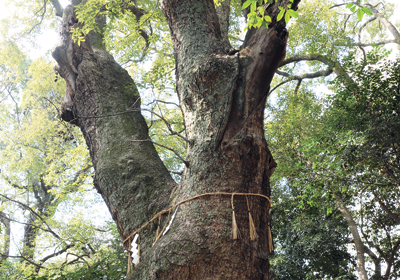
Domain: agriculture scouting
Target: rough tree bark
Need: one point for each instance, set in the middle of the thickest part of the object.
(222, 98)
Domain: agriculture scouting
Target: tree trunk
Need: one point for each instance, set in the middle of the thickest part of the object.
(362, 273)
(29, 240)
(45, 205)
(222, 98)
(5, 252)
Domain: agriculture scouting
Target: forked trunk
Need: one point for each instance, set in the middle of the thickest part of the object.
(222, 98)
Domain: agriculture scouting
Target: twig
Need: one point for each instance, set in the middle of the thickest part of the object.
(56, 253)
(173, 132)
(165, 102)
(33, 212)
(165, 147)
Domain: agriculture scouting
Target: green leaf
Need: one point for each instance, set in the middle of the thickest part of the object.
(367, 11)
(360, 14)
(348, 6)
(264, 24)
(353, 9)
(261, 11)
(267, 19)
(293, 13)
(280, 15)
(247, 3)
(287, 17)
(253, 7)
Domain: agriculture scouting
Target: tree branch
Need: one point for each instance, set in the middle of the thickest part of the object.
(34, 213)
(165, 147)
(334, 65)
(57, 6)
(386, 209)
(357, 240)
(165, 102)
(56, 253)
(392, 175)
(392, 29)
(173, 132)
(322, 73)
(377, 262)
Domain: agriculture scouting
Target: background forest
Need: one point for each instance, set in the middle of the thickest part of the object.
(332, 123)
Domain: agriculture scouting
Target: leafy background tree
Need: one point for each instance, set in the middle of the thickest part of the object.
(325, 142)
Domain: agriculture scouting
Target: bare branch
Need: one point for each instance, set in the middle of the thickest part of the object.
(165, 147)
(370, 253)
(384, 42)
(392, 175)
(334, 65)
(296, 90)
(57, 6)
(386, 209)
(376, 260)
(357, 240)
(26, 259)
(366, 23)
(165, 102)
(56, 253)
(173, 132)
(323, 73)
(34, 213)
(339, 5)
(277, 86)
(77, 259)
(392, 29)
(130, 110)
(390, 260)
(41, 18)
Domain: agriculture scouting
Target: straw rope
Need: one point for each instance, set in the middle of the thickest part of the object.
(189, 199)
(252, 227)
(235, 229)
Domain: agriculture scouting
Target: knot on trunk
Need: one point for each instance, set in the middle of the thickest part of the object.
(67, 113)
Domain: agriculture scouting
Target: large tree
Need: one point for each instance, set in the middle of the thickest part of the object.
(222, 94)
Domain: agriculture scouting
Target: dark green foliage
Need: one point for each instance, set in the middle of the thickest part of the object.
(369, 114)
(309, 243)
(347, 145)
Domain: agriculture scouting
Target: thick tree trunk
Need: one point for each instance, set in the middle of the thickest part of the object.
(222, 98)
(129, 175)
